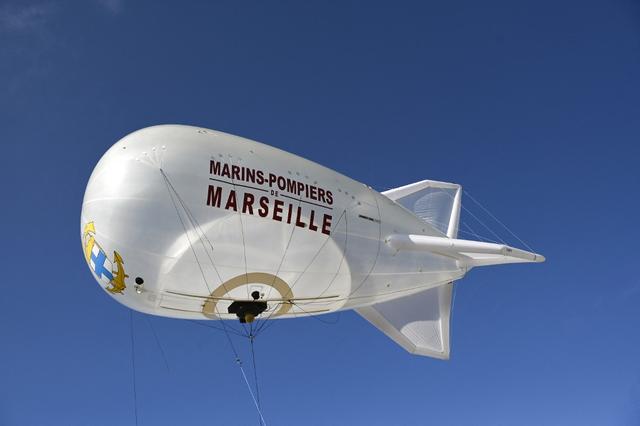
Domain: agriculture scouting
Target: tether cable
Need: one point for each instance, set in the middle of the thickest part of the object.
(224, 326)
(155, 335)
(255, 374)
(133, 366)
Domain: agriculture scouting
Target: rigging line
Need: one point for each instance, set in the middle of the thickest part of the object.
(245, 332)
(192, 218)
(224, 326)
(244, 245)
(475, 217)
(169, 185)
(410, 291)
(196, 226)
(202, 235)
(320, 249)
(155, 335)
(194, 223)
(229, 327)
(204, 278)
(241, 333)
(284, 255)
(319, 319)
(483, 224)
(315, 256)
(268, 322)
(344, 255)
(133, 366)
(182, 203)
(454, 287)
(453, 298)
(216, 328)
(497, 220)
(264, 324)
(460, 231)
(244, 254)
(432, 221)
(255, 372)
(436, 222)
(186, 232)
(474, 233)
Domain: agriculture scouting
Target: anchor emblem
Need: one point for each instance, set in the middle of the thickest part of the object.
(101, 265)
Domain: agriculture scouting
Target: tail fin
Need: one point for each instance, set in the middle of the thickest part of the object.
(419, 323)
(469, 253)
(437, 203)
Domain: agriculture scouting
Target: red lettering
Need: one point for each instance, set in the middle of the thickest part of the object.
(299, 222)
(231, 201)
(214, 167)
(247, 203)
(235, 172)
(312, 226)
(251, 175)
(263, 211)
(277, 209)
(289, 213)
(213, 196)
(326, 224)
(291, 186)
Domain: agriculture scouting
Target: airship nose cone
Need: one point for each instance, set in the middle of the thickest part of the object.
(120, 216)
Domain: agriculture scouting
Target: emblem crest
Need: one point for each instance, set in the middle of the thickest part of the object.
(110, 272)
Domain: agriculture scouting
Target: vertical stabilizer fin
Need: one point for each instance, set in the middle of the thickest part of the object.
(419, 322)
(437, 203)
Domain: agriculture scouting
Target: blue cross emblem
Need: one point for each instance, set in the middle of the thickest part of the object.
(99, 269)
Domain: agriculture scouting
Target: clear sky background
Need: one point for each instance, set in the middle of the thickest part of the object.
(533, 106)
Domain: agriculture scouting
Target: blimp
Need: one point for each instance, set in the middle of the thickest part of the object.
(187, 222)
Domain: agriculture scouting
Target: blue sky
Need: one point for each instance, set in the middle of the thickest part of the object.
(533, 106)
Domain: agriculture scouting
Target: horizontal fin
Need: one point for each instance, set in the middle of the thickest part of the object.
(472, 253)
